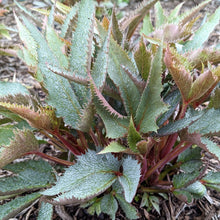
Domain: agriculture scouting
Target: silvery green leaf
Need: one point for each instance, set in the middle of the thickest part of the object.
(109, 205)
(130, 178)
(45, 211)
(130, 211)
(91, 175)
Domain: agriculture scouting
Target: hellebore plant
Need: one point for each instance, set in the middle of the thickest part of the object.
(129, 115)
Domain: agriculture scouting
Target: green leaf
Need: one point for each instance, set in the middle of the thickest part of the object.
(191, 166)
(182, 179)
(160, 18)
(91, 175)
(118, 58)
(128, 90)
(65, 102)
(12, 208)
(202, 34)
(151, 105)
(117, 188)
(26, 37)
(113, 147)
(190, 154)
(130, 178)
(12, 88)
(27, 57)
(215, 99)
(6, 133)
(214, 186)
(143, 60)
(130, 211)
(57, 46)
(109, 205)
(95, 208)
(99, 70)
(80, 44)
(208, 123)
(82, 49)
(212, 177)
(116, 32)
(147, 28)
(155, 203)
(23, 141)
(133, 137)
(112, 122)
(174, 13)
(197, 189)
(4, 32)
(29, 175)
(212, 147)
(172, 100)
(180, 124)
(27, 12)
(51, 16)
(144, 200)
(69, 20)
(45, 212)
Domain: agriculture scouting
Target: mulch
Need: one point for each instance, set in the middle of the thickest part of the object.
(207, 208)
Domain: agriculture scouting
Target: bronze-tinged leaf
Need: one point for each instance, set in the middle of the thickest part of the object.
(100, 98)
(172, 33)
(216, 76)
(143, 59)
(201, 57)
(188, 15)
(116, 32)
(105, 23)
(23, 141)
(87, 116)
(201, 141)
(131, 23)
(201, 85)
(44, 118)
(179, 72)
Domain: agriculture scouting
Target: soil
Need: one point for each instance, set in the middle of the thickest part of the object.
(12, 69)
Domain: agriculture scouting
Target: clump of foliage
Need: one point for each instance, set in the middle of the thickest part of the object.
(131, 117)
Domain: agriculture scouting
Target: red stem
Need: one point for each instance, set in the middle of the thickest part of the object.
(183, 110)
(144, 168)
(75, 151)
(101, 137)
(178, 149)
(169, 145)
(83, 139)
(94, 138)
(54, 159)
